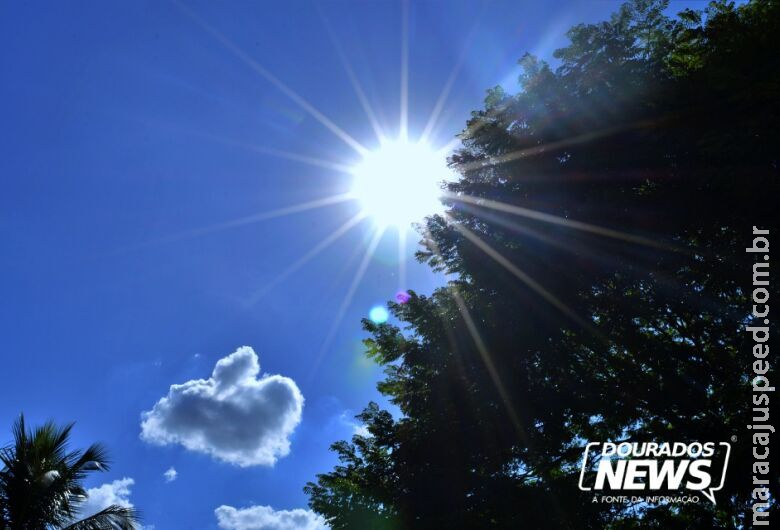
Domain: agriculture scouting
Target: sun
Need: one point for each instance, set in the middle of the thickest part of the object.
(399, 183)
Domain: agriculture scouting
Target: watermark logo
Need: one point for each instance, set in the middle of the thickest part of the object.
(649, 467)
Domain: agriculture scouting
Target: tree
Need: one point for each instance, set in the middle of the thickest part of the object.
(596, 232)
(40, 483)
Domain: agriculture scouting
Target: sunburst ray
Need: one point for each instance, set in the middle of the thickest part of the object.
(552, 146)
(249, 219)
(279, 153)
(482, 349)
(361, 271)
(308, 256)
(404, 125)
(354, 81)
(557, 220)
(278, 83)
(519, 274)
(402, 260)
(445, 92)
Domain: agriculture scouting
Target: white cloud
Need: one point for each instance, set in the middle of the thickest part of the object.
(234, 415)
(347, 419)
(361, 430)
(266, 518)
(100, 498)
(171, 474)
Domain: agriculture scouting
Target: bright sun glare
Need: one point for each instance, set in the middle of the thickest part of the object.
(399, 183)
(396, 184)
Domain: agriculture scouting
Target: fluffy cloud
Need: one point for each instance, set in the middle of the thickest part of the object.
(171, 474)
(266, 518)
(234, 415)
(117, 492)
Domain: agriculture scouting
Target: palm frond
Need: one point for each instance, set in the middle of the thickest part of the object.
(41, 481)
(112, 518)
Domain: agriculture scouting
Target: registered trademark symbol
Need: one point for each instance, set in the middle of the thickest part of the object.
(733, 438)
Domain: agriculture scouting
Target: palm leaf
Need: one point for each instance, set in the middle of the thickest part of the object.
(41, 482)
(112, 518)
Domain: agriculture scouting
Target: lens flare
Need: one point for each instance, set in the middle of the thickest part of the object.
(378, 314)
(402, 297)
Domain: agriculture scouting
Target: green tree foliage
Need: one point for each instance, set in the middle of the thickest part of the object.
(40, 483)
(597, 234)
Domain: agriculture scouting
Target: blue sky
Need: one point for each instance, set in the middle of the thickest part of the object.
(127, 128)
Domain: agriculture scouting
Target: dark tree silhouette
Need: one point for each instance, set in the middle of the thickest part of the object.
(597, 233)
(40, 483)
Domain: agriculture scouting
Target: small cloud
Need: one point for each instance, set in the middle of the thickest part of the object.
(171, 474)
(235, 415)
(266, 518)
(361, 430)
(347, 418)
(100, 498)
